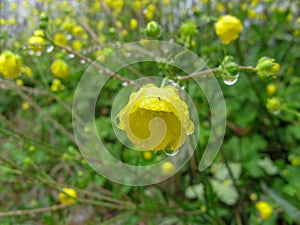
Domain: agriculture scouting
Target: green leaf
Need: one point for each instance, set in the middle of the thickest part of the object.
(268, 166)
(195, 191)
(290, 209)
(226, 192)
(222, 172)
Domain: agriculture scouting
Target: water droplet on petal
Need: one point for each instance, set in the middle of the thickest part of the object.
(170, 152)
(50, 48)
(229, 79)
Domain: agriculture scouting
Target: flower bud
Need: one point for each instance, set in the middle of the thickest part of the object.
(273, 105)
(153, 29)
(267, 69)
(44, 17)
(188, 28)
(228, 67)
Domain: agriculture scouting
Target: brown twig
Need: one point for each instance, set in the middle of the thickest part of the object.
(90, 31)
(34, 211)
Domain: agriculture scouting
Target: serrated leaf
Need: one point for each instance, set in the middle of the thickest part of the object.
(268, 166)
(226, 192)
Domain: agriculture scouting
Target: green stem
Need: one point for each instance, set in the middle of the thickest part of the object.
(293, 112)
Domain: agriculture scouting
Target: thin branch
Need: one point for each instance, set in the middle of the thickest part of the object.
(90, 31)
(98, 66)
(34, 211)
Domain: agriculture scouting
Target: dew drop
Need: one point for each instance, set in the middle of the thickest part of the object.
(124, 84)
(170, 152)
(82, 61)
(117, 121)
(276, 112)
(30, 52)
(71, 56)
(230, 80)
(50, 48)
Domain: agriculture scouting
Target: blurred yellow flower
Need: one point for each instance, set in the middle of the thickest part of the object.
(156, 118)
(147, 155)
(133, 23)
(60, 68)
(167, 168)
(37, 42)
(203, 208)
(228, 28)
(220, 7)
(67, 196)
(25, 106)
(19, 82)
(271, 89)
(60, 39)
(78, 31)
(11, 21)
(14, 6)
(10, 64)
(264, 209)
(27, 71)
(76, 44)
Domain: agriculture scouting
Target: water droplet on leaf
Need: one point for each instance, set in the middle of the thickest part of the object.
(50, 48)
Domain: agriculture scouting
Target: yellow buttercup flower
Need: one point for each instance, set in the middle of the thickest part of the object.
(10, 64)
(264, 209)
(67, 196)
(228, 28)
(37, 42)
(60, 68)
(76, 44)
(133, 23)
(156, 118)
(60, 39)
(78, 31)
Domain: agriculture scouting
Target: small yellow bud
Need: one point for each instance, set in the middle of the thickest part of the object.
(273, 105)
(147, 155)
(153, 29)
(267, 69)
(271, 89)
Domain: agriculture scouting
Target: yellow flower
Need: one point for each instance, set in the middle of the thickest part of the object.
(67, 196)
(264, 209)
(271, 89)
(253, 197)
(167, 168)
(203, 208)
(133, 23)
(156, 118)
(25, 106)
(60, 39)
(10, 64)
(14, 6)
(78, 31)
(76, 44)
(60, 68)
(27, 71)
(19, 82)
(147, 155)
(37, 42)
(228, 28)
